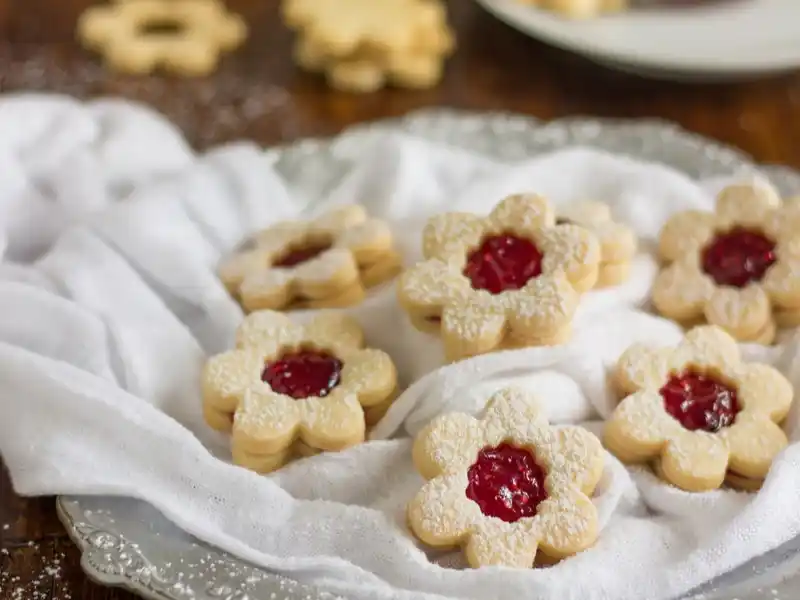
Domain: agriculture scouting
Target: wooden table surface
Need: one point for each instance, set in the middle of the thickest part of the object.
(257, 93)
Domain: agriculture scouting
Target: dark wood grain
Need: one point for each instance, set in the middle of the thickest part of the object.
(257, 93)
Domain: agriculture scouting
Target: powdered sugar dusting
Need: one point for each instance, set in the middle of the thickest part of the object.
(440, 514)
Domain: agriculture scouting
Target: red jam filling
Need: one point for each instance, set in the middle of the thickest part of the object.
(503, 262)
(303, 373)
(700, 401)
(506, 482)
(301, 255)
(737, 257)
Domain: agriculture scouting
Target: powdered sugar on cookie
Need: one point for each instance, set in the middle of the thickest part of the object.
(507, 486)
(699, 411)
(512, 274)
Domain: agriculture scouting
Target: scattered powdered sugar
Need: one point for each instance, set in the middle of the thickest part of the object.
(40, 586)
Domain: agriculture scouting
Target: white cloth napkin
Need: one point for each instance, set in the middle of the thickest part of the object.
(103, 338)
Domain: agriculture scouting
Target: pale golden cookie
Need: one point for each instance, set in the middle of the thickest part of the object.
(286, 382)
(788, 318)
(385, 269)
(513, 273)
(745, 484)
(698, 412)
(549, 474)
(735, 267)
(221, 420)
(266, 463)
(361, 45)
(307, 261)
(193, 35)
(618, 243)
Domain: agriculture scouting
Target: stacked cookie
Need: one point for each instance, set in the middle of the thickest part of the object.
(361, 45)
(737, 267)
(185, 37)
(618, 242)
(511, 279)
(291, 390)
(326, 262)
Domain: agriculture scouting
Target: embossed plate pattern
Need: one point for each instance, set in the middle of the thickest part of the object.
(127, 542)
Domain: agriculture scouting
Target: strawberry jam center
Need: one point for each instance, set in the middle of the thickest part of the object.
(300, 255)
(303, 373)
(737, 257)
(506, 482)
(503, 262)
(700, 401)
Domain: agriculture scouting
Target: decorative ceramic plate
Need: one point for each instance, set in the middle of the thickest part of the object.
(709, 39)
(128, 543)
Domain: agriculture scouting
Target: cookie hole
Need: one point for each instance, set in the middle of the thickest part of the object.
(162, 27)
(297, 254)
(701, 398)
(303, 372)
(506, 482)
(738, 256)
(502, 262)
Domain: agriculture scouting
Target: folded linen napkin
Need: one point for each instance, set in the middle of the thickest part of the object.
(103, 338)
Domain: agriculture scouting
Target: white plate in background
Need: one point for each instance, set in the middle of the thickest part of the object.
(727, 39)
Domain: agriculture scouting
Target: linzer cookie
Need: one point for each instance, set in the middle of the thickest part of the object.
(511, 279)
(738, 267)
(323, 263)
(185, 37)
(617, 241)
(698, 413)
(508, 488)
(363, 45)
(292, 390)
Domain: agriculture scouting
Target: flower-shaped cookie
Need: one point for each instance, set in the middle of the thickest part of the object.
(735, 267)
(187, 36)
(506, 486)
(698, 411)
(617, 241)
(286, 382)
(513, 275)
(315, 262)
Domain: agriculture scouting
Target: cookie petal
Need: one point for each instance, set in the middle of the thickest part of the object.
(681, 291)
(267, 289)
(265, 422)
(742, 312)
(754, 442)
(764, 390)
(695, 461)
(685, 233)
(543, 307)
(339, 219)
(440, 514)
(331, 423)
(451, 233)
(335, 329)
(515, 414)
(578, 455)
(471, 329)
(587, 214)
(429, 285)
(366, 239)
(639, 427)
(569, 249)
(370, 375)
(568, 521)
(642, 366)
(523, 213)
(334, 265)
(782, 282)
(497, 543)
(448, 443)
(746, 204)
(267, 328)
(226, 376)
(706, 346)
(617, 242)
(235, 269)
